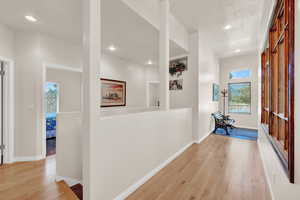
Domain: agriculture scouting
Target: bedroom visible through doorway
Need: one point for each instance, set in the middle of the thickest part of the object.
(52, 108)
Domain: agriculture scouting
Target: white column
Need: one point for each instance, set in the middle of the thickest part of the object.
(164, 55)
(91, 86)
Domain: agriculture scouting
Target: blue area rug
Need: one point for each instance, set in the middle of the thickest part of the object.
(245, 134)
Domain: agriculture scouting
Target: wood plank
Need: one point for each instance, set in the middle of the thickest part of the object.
(219, 168)
(33, 181)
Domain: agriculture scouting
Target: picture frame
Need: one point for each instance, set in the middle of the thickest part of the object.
(113, 93)
(176, 84)
(216, 92)
(178, 66)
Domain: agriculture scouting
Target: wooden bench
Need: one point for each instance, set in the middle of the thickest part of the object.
(223, 122)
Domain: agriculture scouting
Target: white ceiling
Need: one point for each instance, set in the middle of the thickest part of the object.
(134, 37)
(60, 18)
(210, 16)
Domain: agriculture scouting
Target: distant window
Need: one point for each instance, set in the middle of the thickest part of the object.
(51, 95)
(245, 73)
(239, 98)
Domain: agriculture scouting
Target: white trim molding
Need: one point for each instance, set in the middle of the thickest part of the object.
(249, 128)
(28, 158)
(62, 67)
(203, 138)
(152, 173)
(9, 122)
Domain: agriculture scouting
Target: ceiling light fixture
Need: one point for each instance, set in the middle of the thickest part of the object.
(31, 18)
(237, 51)
(150, 62)
(227, 27)
(112, 48)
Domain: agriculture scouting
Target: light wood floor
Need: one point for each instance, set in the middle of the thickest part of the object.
(32, 181)
(220, 168)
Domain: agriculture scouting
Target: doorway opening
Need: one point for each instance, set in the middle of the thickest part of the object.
(153, 94)
(52, 108)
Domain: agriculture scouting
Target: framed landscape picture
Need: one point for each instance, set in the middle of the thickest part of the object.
(216, 92)
(113, 93)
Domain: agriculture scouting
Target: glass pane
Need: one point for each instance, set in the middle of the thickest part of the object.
(239, 98)
(240, 74)
(51, 96)
(281, 85)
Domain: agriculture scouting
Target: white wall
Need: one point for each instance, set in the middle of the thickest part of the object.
(149, 10)
(69, 147)
(208, 74)
(203, 71)
(70, 88)
(118, 158)
(7, 42)
(32, 51)
(246, 61)
(28, 68)
(135, 76)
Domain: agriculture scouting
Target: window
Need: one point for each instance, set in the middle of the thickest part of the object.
(239, 98)
(278, 82)
(51, 95)
(246, 73)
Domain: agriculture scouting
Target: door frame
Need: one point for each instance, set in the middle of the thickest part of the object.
(43, 110)
(9, 113)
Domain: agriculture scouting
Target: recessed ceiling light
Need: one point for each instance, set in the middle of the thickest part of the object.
(149, 62)
(227, 27)
(31, 18)
(237, 51)
(112, 48)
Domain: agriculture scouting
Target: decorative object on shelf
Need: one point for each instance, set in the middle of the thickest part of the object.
(216, 92)
(176, 84)
(178, 66)
(113, 93)
(224, 93)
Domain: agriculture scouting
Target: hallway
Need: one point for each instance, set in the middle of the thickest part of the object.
(220, 168)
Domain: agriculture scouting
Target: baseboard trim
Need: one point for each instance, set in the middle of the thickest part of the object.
(203, 138)
(148, 176)
(70, 181)
(27, 158)
(249, 128)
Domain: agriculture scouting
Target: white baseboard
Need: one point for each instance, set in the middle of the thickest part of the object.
(143, 180)
(28, 158)
(203, 138)
(70, 181)
(245, 127)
